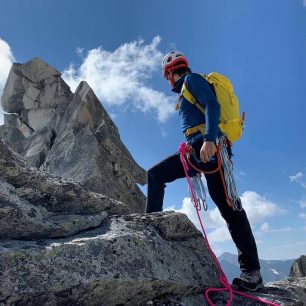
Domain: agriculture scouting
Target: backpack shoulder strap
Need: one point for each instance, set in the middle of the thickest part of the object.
(190, 98)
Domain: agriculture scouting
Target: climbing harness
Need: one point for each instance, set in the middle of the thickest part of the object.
(227, 176)
(185, 152)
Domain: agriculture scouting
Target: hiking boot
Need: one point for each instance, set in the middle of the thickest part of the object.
(250, 281)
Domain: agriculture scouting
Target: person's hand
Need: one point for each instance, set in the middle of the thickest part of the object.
(208, 150)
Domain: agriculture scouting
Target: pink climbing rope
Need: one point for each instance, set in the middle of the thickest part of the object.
(183, 149)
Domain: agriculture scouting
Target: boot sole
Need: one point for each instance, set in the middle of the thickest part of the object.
(258, 288)
(238, 285)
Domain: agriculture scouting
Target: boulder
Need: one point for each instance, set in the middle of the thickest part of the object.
(127, 260)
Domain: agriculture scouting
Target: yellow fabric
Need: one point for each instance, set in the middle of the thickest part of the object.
(200, 127)
(185, 92)
(189, 97)
(231, 123)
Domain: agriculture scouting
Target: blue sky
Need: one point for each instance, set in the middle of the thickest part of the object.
(117, 46)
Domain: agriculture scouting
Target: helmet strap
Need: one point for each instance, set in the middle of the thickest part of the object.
(171, 78)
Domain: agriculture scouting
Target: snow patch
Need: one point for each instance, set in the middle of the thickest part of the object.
(274, 271)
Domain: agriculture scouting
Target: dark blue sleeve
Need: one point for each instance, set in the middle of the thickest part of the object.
(203, 93)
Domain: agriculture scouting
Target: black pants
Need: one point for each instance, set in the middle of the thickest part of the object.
(237, 222)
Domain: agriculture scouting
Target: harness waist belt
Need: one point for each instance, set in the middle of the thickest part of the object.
(194, 129)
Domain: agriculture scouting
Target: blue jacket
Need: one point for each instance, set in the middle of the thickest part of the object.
(190, 114)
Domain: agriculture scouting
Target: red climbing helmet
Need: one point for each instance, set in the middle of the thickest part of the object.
(173, 61)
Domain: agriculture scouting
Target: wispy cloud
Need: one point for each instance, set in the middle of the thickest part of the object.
(292, 245)
(265, 228)
(163, 133)
(302, 203)
(242, 173)
(304, 3)
(120, 78)
(298, 178)
(285, 251)
(240, 176)
(302, 215)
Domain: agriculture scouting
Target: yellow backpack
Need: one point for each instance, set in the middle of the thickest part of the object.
(231, 123)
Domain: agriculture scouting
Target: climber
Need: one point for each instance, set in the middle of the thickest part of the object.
(177, 71)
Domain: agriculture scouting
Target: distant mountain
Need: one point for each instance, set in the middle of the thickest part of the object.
(271, 270)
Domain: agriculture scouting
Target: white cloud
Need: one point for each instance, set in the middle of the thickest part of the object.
(281, 230)
(292, 245)
(240, 176)
(6, 61)
(302, 203)
(163, 133)
(264, 227)
(302, 215)
(220, 234)
(298, 179)
(119, 78)
(242, 173)
(258, 208)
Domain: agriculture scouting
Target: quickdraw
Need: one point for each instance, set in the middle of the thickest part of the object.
(199, 199)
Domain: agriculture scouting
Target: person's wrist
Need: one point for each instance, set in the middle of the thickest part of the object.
(210, 139)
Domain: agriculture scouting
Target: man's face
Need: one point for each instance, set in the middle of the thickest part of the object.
(172, 77)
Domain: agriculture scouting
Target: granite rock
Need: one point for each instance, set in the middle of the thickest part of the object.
(69, 135)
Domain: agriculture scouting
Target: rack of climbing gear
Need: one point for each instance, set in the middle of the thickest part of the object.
(199, 199)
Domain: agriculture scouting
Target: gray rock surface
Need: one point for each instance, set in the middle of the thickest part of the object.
(298, 269)
(34, 204)
(128, 260)
(68, 135)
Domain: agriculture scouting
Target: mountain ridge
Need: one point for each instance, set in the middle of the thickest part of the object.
(271, 270)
